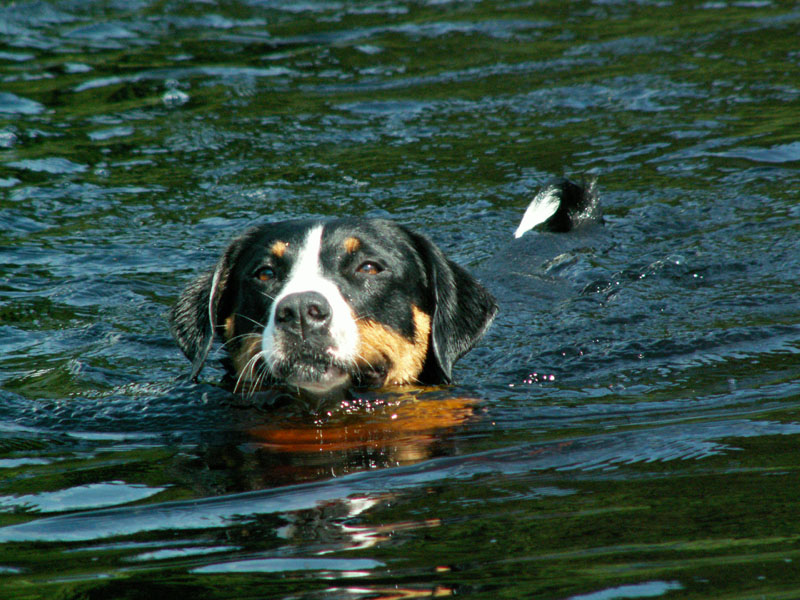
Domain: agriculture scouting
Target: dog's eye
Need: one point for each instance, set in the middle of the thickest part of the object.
(369, 268)
(265, 274)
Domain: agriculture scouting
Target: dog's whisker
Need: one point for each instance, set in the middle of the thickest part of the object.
(246, 372)
(260, 370)
(237, 338)
(253, 321)
(261, 375)
(363, 359)
(255, 375)
(239, 380)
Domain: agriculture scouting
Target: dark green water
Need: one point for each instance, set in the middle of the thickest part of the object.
(629, 428)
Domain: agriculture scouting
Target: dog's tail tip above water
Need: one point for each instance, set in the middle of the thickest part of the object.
(561, 206)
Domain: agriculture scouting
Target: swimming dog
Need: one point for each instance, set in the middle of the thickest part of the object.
(321, 306)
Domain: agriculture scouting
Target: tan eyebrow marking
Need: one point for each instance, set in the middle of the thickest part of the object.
(279, 248)
(352, 244)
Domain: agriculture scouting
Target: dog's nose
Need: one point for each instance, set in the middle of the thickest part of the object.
(304, 313)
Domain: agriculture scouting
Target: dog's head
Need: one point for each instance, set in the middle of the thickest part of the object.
(324, 306)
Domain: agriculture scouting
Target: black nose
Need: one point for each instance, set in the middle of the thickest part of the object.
(305, 313)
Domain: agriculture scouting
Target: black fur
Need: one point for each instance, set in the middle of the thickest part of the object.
(462, 311)
(202, 305)
(576, 203)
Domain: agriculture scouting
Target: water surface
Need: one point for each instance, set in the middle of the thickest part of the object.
(627, 429)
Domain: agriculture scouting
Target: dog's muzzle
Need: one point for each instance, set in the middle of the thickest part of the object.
(303, 328)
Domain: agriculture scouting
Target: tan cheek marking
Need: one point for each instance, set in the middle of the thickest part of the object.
(243, 355)
(279, 248)
(379, 345)
(352, 244)
(242, 352)
(229, 327)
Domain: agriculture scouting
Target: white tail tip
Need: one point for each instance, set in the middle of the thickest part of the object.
(541, 208)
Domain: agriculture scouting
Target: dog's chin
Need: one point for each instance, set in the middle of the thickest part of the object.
(319, 375)
(325, 379)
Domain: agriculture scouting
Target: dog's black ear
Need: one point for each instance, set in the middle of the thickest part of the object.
(201, 307)
(462, 311)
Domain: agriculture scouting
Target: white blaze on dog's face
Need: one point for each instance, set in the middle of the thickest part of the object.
(306, 276)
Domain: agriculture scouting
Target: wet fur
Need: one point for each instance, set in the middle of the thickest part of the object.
(413, 332)
(410, 332)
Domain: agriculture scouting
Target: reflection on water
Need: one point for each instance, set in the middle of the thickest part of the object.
(287, 444)
(403, 427)
(628, 427)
